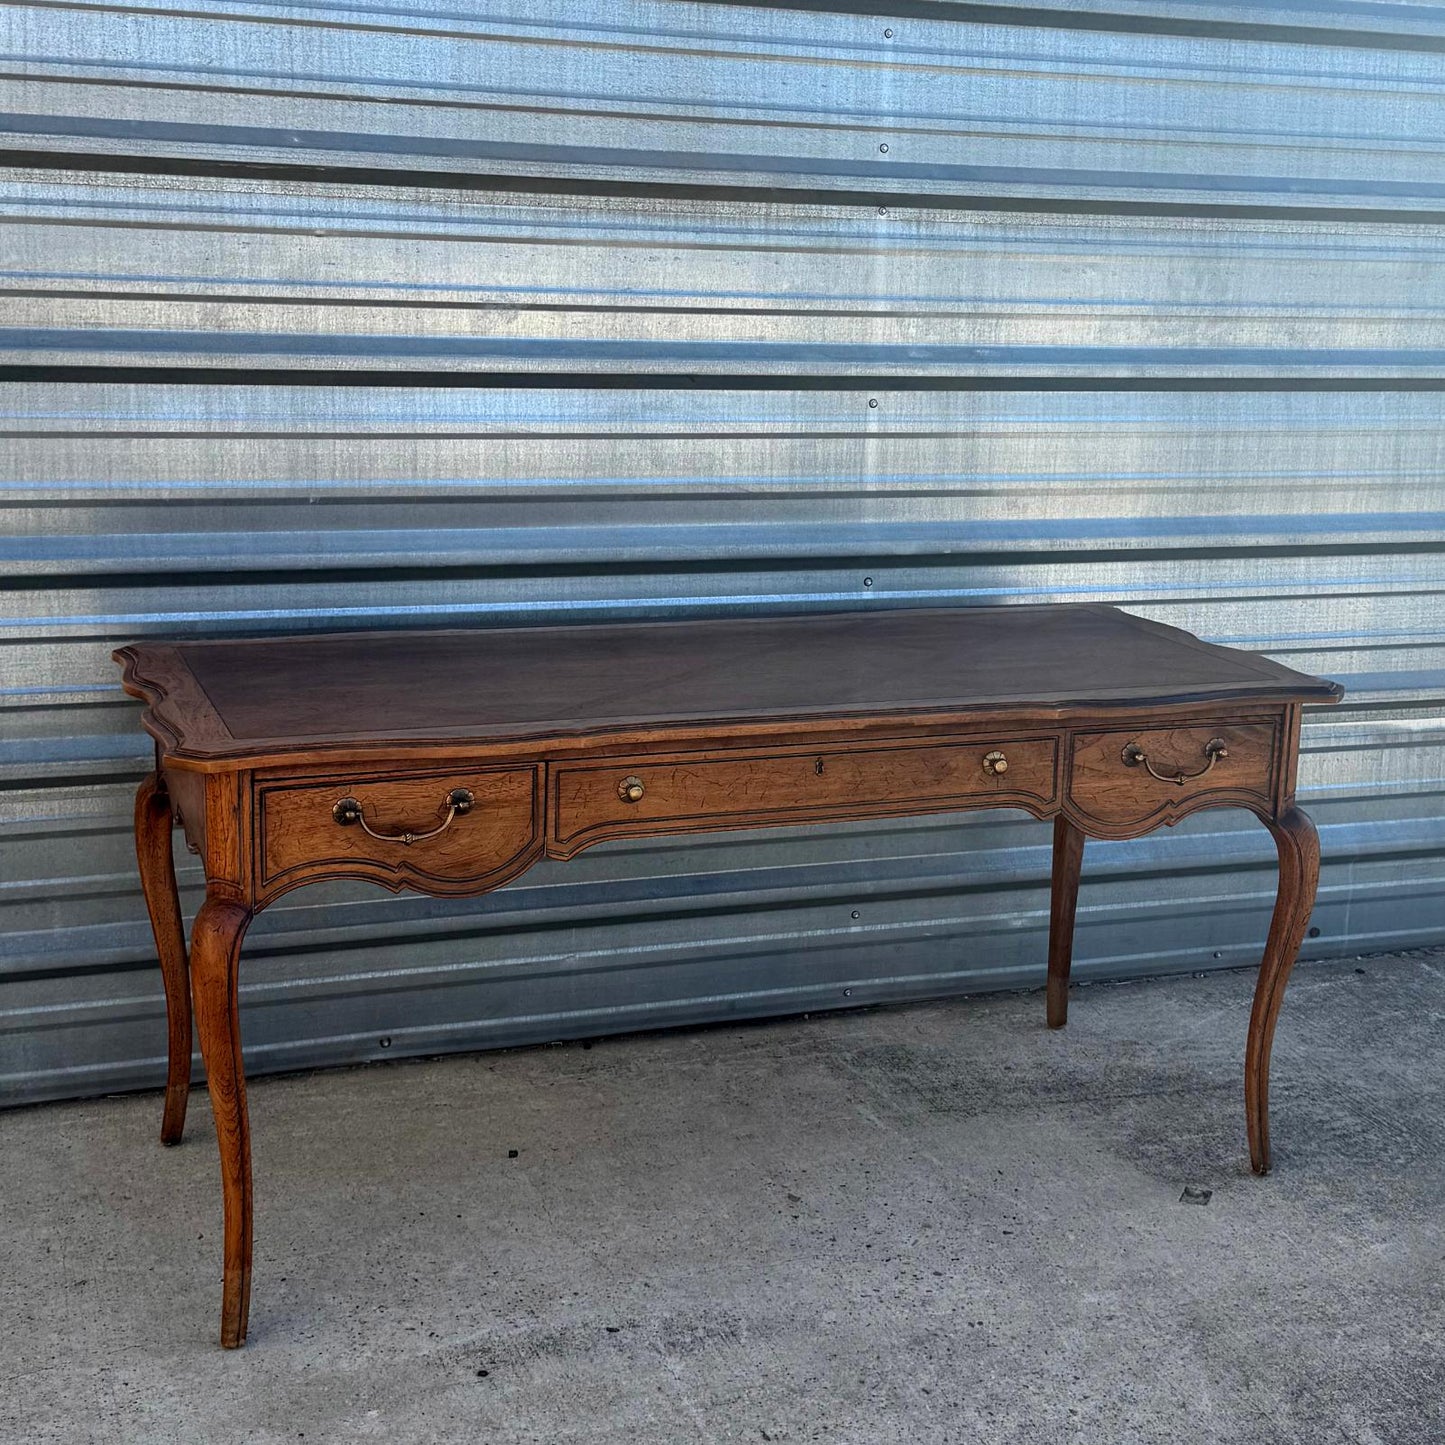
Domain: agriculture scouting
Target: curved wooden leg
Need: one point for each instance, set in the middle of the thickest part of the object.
(1068, 857)
(153, 825)
(1299, 871)
(215, 949)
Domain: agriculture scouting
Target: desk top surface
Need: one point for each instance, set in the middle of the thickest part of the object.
(231, 699)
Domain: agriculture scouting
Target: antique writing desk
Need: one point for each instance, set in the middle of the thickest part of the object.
(448, 762)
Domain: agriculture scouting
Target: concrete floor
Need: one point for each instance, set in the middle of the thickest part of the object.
(923, 1224)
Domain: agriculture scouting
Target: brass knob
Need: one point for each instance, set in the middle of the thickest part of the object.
(995, 764)
(630, 790)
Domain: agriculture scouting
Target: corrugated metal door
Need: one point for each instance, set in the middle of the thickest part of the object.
(321, 316)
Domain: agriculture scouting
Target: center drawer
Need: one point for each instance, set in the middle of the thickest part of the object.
(678, 793)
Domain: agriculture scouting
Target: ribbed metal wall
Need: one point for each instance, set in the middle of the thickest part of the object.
(320, 316)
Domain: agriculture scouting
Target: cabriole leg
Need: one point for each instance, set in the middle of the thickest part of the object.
(1299, 871)
(1064, 897)
(215, 950)
(153, 825)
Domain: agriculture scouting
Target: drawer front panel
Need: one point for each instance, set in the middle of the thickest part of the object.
(1111, 783)
(643, 795)
(492, 840)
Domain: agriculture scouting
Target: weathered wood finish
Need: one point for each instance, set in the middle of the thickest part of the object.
(686, 793)
(298, 839)
(570, 736)
(1063, 904)
(154, 821)
(215, 952)
(1299, 871)
(1110, 798)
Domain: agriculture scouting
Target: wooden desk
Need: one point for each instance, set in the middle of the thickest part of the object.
(449, 762)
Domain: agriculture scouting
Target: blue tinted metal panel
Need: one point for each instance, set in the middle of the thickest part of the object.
(135, 272)
(1250, 508)
(628, 92)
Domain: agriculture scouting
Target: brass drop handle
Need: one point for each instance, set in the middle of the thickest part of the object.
(995, 764)
(458, 801)
(630, 790)
(1214, 749)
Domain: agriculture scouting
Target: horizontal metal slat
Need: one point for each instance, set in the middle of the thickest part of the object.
(716, 95)
(207, 272)
(1357, 22)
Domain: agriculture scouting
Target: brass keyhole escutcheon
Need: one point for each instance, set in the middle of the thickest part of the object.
(995, 764)
(630, 790)
(818, 767)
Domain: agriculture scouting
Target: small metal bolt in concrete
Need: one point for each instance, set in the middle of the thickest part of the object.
(888, 35)
(867, 581)
(884, 148)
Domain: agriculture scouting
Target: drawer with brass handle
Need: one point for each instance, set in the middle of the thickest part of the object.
(1125, 779)
(678, 793)
(436, 832)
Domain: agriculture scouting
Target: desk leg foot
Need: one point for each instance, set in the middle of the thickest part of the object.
(1299, 871)
(215, 950)
(153, 826)
(1068, 858)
